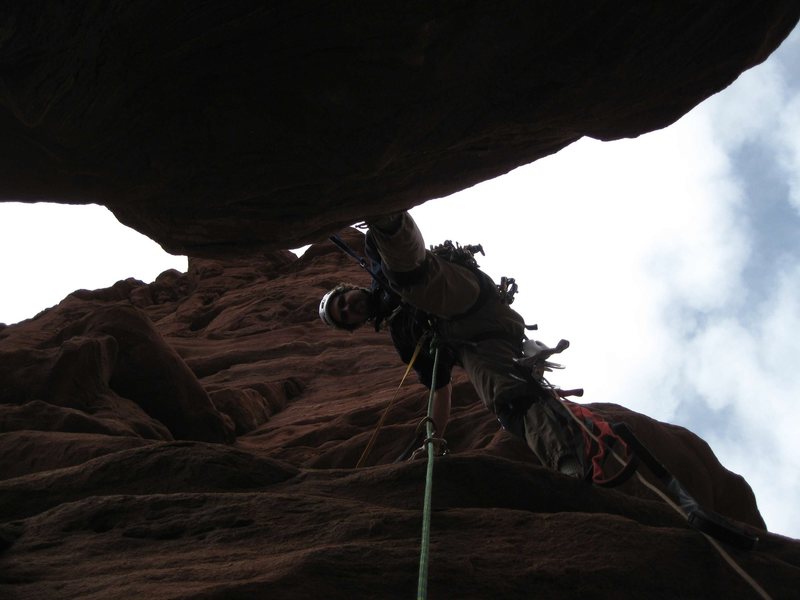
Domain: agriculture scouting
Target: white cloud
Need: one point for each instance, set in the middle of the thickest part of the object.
(788, 130)
(763, 107)
(788, 141)
(751, 108)
(720, 363)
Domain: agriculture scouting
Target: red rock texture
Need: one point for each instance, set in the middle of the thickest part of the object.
(121, 477)
(223, 128)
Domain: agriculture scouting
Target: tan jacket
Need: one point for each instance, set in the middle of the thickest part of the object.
(444, 289)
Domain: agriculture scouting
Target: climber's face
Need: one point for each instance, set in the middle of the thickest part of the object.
(350, 308)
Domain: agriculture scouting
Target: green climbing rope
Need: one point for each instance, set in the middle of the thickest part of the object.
(424, 554)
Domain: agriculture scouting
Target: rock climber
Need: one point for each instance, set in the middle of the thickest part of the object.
(421, 291)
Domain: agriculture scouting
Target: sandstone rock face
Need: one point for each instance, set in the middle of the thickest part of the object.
(225, 128)
(121, 477)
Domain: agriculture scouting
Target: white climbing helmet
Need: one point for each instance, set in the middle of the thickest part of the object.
(324, 305)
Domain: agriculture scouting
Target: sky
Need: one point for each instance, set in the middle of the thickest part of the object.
(669, 261)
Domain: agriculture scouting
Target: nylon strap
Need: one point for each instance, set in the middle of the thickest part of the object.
(376, 274)
(348, 250)
(373, 439)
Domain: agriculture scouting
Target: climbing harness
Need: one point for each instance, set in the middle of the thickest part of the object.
(424, 554)
(597, 447)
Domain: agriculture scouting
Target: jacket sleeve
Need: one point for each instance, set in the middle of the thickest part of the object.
(422, 279)
(399, 242)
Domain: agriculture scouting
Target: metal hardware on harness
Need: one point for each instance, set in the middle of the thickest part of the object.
(462, 255)
(535, 357)
(441, 445)
(424, 421)
(507, 288)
